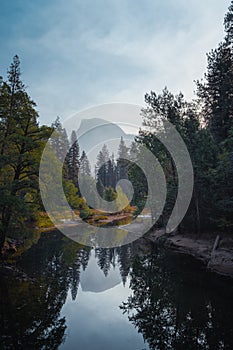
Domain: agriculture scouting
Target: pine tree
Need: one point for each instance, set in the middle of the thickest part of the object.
(60, 144)
(85, 168)
(73, 161)
(11, 93)
(216, 92)
(111, 173)
(22, 144)
(122, 162)
(216, 98)
(59, 140)
(102, 166)
(228, 24)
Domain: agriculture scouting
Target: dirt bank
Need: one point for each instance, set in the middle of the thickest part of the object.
(214, 250)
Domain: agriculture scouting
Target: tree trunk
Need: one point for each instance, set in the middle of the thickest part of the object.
(198, 220)
(2, 239)
(6, 216)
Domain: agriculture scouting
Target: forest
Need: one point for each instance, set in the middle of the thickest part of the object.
(205, 124)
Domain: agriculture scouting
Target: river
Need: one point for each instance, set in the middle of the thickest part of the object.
(134, 297)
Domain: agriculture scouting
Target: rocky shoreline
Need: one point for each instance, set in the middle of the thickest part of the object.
(215, 251)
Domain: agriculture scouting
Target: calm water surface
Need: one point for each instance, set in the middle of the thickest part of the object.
(135, 297)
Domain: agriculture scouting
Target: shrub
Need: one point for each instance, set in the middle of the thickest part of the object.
(85, 213)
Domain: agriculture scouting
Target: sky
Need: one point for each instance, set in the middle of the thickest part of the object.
(76, 54)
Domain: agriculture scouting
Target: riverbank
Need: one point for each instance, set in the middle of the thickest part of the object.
(215, 251)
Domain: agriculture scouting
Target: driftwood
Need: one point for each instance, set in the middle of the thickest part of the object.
(215, 246)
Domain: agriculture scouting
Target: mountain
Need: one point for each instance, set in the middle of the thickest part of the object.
(96, 131)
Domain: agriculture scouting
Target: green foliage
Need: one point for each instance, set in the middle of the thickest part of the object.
(81, 204)
(206, 125)
(85, 213)
(43, 220)
(109, 194)
(212, 185)
(72, 159)
(71, 193)
(22, 142)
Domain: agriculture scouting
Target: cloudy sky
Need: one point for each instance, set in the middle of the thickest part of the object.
(79, 53)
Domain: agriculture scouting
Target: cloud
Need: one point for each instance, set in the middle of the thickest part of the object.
(80, 53)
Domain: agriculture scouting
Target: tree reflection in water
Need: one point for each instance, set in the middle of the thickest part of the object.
(30, 309)
(175, 306)
(174, 303)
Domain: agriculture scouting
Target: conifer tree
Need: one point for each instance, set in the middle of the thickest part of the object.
(60, 144)
(122, 162)
(216, 91)
(73, 161)
(85, 168)
(22, 144)
(102, 166)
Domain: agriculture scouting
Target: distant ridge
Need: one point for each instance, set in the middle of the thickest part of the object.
(96, 131)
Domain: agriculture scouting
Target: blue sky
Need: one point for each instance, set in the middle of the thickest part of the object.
(79, 53)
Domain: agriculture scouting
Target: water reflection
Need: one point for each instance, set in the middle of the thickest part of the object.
(132, 297)
(93, 279)
(30, 308)
(176, 305)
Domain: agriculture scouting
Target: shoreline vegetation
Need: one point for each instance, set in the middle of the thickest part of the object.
(214, 251)
(14, 245)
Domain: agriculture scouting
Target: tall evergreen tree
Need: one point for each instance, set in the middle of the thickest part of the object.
(60, 144)
(216, 98)
(11, 93)
(122, 162)
(111, 172)
(73, 161)
(102, 166)
(228, 24)
(216, 92)
(85, 167)
(22, 144)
